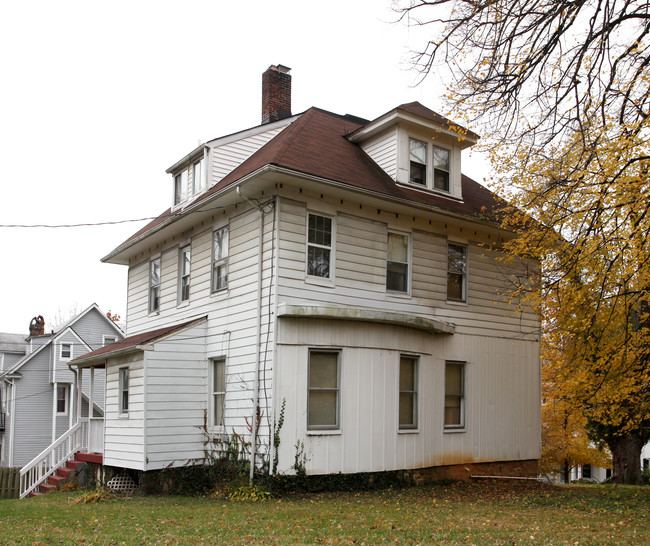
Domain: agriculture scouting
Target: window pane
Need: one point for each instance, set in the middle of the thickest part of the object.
(218, 413)
(398, 248)
(219, 376)
(322, 408)
(440, 159)
(454, 378)
(453, 410)
(221, 244)
(397, 277)
(418, 151)
(220, 277)
(323, 370)
(320, 230)
(406, 409)
(318, 262)
(407, 374)
(177, 189)
(61, 399)
(418, 173)
(197, 181)
(441, 180)
(155, 273)
(455, 287)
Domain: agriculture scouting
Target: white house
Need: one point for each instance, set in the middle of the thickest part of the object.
(339, 268)
(38, 388)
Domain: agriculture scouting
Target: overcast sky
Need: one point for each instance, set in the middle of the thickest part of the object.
(98, 99)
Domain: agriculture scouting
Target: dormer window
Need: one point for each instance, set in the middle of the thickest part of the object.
(189, 182)
(418, 156)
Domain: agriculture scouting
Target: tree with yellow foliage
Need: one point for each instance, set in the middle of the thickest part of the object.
(561, 89)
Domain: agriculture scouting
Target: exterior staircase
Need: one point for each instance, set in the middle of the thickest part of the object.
(68, 473)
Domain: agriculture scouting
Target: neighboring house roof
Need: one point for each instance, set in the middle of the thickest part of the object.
(316, 144)
(12, 343)
(132, 343)
(58, 332)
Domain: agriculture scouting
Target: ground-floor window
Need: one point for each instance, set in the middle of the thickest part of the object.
(323, 392)
(62, 395)
(124, 390)
(454, 395)
(408, 392)
(218, 391)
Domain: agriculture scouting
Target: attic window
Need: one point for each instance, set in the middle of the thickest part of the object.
(418, 157)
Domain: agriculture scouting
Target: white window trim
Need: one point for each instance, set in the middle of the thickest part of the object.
(121, 390)
(225, 260)
(325, 429)
(156, 311)
(107, 337)
(415, 429)
(212, 393)
(409, 276)
(65, 386)
(462, 427)
(313, 279)
(465, 277)
(71, 345)
(181, 262)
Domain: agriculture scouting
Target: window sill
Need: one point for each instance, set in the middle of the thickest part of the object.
(122, 415)
(454, 430)
(457, 302)
(219, 292)
(408, 431)
(183, 304)
(427, 189)
(398, 295)
(320, 281)
(336, 432)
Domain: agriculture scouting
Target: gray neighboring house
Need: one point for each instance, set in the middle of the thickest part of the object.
(37, 387)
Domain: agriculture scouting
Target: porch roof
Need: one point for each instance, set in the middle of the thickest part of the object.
(137, 342)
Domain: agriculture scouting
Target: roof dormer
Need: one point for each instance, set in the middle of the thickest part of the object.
(417, 147)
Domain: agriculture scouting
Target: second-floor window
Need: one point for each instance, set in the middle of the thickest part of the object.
(440, 168)
(418, 162)
(429, 165)
(319, 246)
(220, 259)
(66, 351)
(397, 263)
(180, 187)
(184, 274)
(456, 272)
(197, 177)
(154, 285)
(124, 390)
(62, 399)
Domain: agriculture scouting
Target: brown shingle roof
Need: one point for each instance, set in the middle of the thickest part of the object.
(315, 144)
(131, 342)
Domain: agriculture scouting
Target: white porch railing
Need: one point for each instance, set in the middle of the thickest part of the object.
(53, 457)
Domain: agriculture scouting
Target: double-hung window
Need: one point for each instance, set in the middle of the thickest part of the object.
(66, 351)
(218, 392)
(456, 272)
(62, 399)
(319, 246)
(184, 274)
(220, 259)
(397, 263)
(418, 162)
(408, 392)
(323, 392)
(123, 402)
(454, 395)
(154, 285)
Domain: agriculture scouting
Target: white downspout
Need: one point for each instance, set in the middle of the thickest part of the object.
(258, 336)
(274, 284)
(54, 395)
(13, 422)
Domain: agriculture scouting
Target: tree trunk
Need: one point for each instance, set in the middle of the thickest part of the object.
(626, 458)
(567, 472)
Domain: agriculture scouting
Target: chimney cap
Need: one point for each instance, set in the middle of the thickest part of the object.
(280, 68)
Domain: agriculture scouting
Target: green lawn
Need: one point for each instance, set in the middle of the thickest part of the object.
(461, 513)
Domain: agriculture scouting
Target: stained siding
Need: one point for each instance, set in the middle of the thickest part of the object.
(499, 377)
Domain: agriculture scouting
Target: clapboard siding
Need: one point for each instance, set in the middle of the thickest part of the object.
(499, 377)
(383, 150)
(360, 274)
(228, 156)
(124, 434)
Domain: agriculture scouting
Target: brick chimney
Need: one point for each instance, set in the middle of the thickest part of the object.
(276, 93)
(37, 326)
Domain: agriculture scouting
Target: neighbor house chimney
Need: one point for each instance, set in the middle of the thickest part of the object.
(37, 326)
(276, 93)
